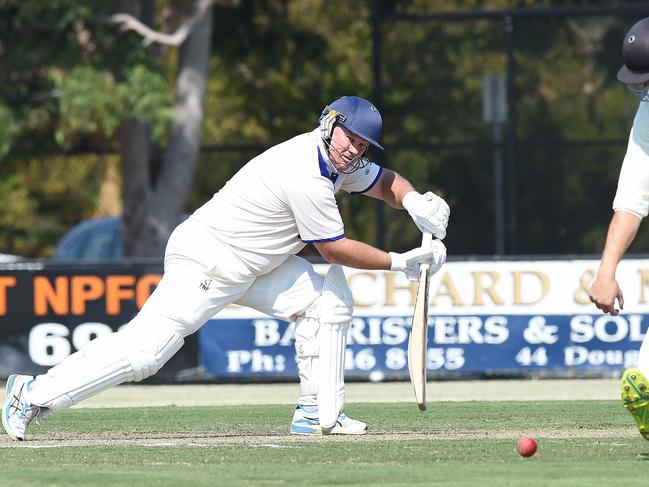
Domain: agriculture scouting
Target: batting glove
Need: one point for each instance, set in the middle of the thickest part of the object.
(429, 212)
(409, 262)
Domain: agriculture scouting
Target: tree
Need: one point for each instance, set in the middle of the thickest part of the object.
(154, 201)
(79, 95)
(93, 76)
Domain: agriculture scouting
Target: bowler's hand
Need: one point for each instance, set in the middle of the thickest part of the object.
(604, 292)
(429, 212)
(408, 262)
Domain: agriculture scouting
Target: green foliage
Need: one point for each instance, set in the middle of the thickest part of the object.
(297, 51)
(93, 103)
(434, 133)
(45, 198)
(9, 129)
(68, 80)
(148, 99)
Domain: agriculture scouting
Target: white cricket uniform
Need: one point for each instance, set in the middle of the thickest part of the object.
(247, 235)
(237, 248)
(280, 201)
(633, 185)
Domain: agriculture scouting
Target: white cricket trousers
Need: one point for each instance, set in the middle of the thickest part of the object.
(202, 276)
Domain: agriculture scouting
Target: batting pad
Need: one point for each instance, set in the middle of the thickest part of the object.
(131, 354)
(332, 338)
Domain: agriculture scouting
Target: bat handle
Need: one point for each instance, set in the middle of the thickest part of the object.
(426, 241)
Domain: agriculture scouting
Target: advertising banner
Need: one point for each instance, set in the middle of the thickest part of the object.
(486, 318)
(49, 311)
(501, 317)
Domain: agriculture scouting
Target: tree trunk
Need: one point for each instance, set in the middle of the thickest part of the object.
(136, 186)
(153, 206)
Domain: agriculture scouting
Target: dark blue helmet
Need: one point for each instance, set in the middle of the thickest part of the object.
(355, 114)
(635, 52)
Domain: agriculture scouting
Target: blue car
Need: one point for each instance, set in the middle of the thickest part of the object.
(95, 239)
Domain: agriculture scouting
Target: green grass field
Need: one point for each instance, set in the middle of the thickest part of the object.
(581, 443)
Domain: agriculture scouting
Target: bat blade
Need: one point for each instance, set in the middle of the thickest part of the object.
(418, 340)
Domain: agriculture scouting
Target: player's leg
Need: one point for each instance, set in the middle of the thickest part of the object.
(131, 354)
(322, 313)
(181, 303)
(635, 390)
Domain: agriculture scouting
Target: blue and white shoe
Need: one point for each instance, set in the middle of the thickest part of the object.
(17, 413)
(306, 422)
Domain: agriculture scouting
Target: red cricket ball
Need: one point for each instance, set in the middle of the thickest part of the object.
(526, 446)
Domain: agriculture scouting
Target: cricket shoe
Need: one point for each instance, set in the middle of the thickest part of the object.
(306, 422)
(17, 412)
(635, 395)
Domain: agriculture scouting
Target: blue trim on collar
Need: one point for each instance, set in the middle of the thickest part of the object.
(323, 168)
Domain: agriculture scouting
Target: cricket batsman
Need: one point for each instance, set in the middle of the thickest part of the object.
(240, 247)
(631, 205)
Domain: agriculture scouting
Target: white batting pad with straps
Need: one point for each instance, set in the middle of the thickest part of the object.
(336, 305)
(306, 351)
(130, 354)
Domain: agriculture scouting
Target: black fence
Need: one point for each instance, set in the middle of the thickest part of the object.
(542, 178)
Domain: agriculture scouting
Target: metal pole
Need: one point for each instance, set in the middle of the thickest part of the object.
(511, 137)
(499, 205)
(378, 102)
(494, 111)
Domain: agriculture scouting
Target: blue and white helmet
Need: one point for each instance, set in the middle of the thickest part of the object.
(357, 115)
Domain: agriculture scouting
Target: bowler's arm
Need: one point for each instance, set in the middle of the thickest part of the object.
(605, 289)
(631, 205)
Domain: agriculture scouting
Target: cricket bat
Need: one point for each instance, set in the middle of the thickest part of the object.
(418, 341)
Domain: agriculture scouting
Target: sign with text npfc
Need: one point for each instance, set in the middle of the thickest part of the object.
(48, 312)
